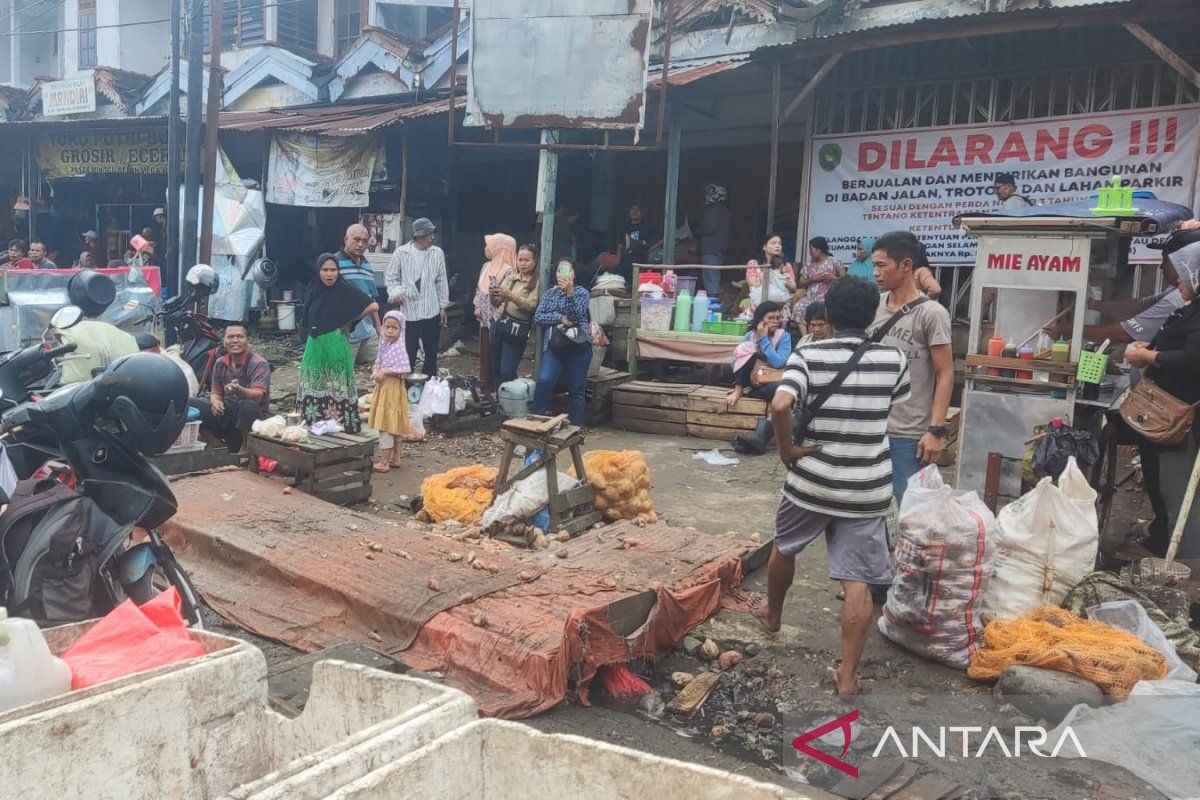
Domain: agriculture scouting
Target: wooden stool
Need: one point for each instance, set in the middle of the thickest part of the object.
(336, 467)
(573, 510)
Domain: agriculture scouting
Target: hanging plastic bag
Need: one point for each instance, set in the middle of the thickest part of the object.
(130, 639)
(1060, 444)
(1047, 543)
(416, 424)
(435, 398)
(944, 553)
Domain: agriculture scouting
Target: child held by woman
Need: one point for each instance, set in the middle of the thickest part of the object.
(389, 406)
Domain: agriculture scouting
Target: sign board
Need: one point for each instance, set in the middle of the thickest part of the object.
(102, 152)
(555, 64)
(920, 180)
(321, 171)
(69, 96)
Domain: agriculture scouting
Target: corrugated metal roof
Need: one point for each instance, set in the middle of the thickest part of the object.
(333, 120)
(690, 73)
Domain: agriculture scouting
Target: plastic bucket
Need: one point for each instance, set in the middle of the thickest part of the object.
(285, 316)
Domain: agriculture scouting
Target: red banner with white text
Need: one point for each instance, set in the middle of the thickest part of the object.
(919, 180)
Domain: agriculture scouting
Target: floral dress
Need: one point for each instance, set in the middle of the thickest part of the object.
(816, 291)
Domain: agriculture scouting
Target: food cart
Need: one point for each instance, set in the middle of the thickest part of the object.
(1034, 268)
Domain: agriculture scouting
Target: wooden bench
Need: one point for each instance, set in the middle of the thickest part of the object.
(335, 467)
(683, 409)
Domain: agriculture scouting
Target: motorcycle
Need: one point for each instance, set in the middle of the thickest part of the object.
(99, 428)
(184, 323)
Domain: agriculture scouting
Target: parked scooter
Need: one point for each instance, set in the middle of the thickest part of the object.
(30, 369)
(184, 323)
(67, 553)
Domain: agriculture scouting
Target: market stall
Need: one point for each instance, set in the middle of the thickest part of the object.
(659, 329)
(1034, 273)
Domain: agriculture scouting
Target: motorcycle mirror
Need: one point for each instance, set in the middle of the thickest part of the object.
(66, 317)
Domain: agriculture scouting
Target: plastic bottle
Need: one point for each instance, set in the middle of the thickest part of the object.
(683, 311)
(699, 310)
(670, 282)
(995, 348)
(1010, 351)
(28, 672)
(1061, 350)
(1025, 354)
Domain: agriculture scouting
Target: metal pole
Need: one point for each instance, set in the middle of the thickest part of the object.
(775, 81)
(805, 184)
(403, 182)
(191, 178)
(666, 66)
(173, 274)
(454, 22)
(672, 195)
(212, 124)
(549, 190)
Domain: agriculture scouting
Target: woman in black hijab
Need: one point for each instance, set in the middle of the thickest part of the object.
(331, 307)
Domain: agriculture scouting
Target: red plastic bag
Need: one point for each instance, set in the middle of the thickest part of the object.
(267, 465)
(130, 639)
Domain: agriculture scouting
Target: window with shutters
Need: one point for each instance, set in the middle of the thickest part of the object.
(349, 18)
(87, 33)
(241, 23)
(297, 21)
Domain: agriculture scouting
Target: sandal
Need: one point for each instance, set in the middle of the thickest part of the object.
(380, 468)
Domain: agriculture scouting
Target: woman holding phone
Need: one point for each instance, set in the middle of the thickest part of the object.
(563, 314)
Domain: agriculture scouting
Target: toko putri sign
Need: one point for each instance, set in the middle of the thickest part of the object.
(69, 96)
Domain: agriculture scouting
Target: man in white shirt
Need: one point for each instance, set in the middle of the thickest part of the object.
(416, 281)
(1006, 192)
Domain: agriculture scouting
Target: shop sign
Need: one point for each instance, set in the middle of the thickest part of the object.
(920, 180)
(69, 96)
(102, 152)
(321, 171)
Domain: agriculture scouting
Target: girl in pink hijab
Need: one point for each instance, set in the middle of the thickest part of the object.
(501, 252)
(389, 405)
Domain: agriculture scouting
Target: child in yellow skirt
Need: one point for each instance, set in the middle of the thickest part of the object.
(389, 406)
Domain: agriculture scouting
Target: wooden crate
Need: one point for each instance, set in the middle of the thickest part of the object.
(600, 390)
(336, 467)
(683, 409)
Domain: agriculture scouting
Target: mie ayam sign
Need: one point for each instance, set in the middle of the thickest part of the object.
(69, 96)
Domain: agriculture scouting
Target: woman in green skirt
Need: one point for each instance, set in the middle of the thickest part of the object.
(331, 307)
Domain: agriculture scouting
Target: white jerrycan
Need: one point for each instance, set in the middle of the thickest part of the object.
(28, 672)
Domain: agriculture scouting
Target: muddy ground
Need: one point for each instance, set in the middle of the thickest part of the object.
(787, 676)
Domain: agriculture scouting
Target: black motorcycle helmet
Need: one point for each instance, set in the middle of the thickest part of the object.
(146, 396)
(91, 291)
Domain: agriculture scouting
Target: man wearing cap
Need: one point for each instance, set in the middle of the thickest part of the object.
(356, 270)
(1006, 192)
(416, 281)
(91, 255)
(159, 226)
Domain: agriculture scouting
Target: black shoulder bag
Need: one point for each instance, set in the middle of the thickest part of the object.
(803, 416)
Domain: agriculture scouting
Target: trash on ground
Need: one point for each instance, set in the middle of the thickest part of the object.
(715, 458)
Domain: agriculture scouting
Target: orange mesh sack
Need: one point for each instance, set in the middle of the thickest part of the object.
(621, 479)
(1052, 638)
(462, 493)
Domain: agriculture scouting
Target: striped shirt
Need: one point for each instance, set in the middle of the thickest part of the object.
(852, 474)
(358, 274)
(417, 278)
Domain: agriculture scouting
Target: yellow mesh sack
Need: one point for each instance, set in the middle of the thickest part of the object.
(621, 479)
(462, 493)
(1052, 638)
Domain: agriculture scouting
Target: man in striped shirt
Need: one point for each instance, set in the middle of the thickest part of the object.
(416, 281)
(839, 478)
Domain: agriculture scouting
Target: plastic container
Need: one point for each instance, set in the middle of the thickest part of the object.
(686, 283)
(188, 436)
(656, 313)
(285, 316)
(1092, 367)
(670, 282)
(514, 397)
(1061, 350)
(712, 326)
(1010, 351)
(683, 312)
(1025, 354)
(995, 348)
(28, 672)
(649, 277)
(699, 310)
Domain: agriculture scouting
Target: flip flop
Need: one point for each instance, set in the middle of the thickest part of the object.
(380, 468)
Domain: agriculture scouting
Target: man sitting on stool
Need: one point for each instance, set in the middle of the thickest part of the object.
(240, 392)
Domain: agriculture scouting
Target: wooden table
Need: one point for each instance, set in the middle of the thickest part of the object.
(335, 467)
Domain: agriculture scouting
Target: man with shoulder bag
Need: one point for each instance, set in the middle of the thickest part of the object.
(830, 417)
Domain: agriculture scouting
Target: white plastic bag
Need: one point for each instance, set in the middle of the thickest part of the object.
(416, 424)
(435, 398)
(943, 556)
(1047, 544)
(1128, 615)
(525, 498)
